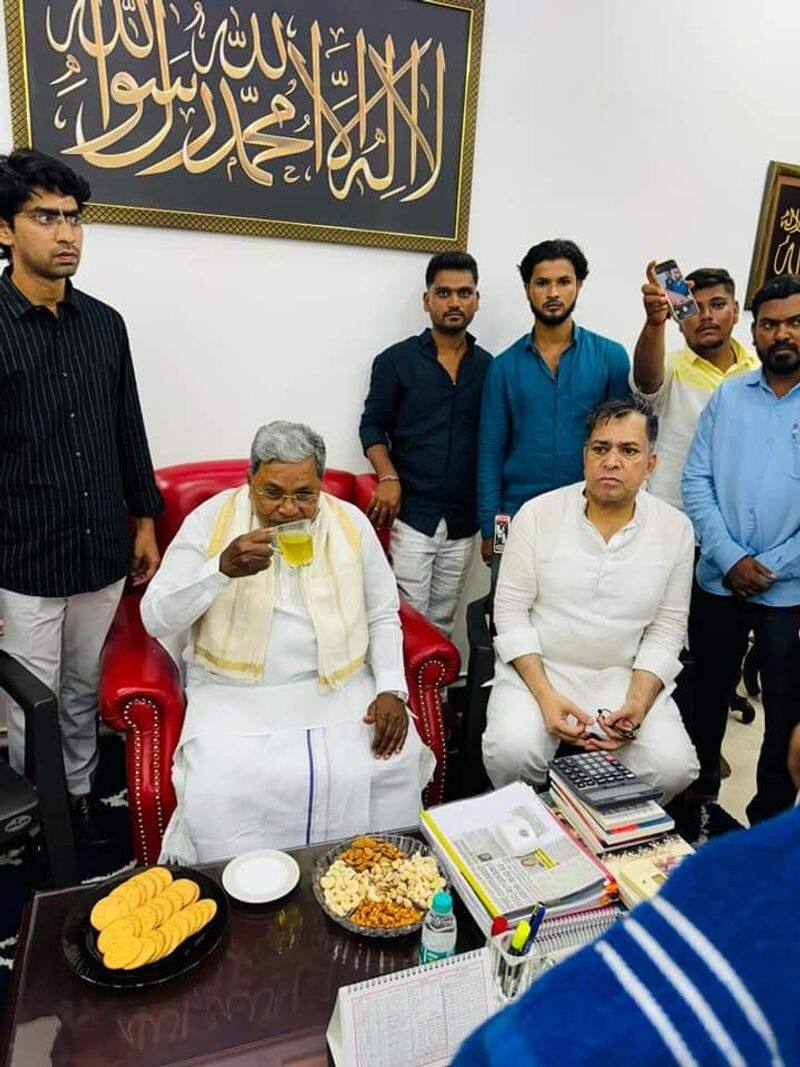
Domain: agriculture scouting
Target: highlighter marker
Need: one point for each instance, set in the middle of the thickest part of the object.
(520, 939)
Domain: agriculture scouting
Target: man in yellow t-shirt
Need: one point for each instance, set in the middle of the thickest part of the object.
(679, 384)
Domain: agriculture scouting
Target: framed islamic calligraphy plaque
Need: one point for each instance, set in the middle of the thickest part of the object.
(777, 246)
(326, 120)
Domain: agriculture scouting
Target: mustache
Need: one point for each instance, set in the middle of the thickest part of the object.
(783, 346)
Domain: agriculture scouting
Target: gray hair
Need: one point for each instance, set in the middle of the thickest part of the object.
(287, 442)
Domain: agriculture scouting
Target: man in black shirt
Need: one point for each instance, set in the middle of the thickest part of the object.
(419, 431)
(74, 462)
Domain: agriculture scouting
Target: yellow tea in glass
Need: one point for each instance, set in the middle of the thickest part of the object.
(295, 543)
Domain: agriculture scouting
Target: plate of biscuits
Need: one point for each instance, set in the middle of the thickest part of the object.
(145, 929)
(378, 885)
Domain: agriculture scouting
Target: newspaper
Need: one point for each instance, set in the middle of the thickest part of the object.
(553, 871)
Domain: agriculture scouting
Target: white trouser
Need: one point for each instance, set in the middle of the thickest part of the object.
(430, 571)
(59, 639)
(516, 744)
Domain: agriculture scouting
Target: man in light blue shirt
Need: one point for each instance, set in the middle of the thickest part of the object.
(538, 392)
(741, 489)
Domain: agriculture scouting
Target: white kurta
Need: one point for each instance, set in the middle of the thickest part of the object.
(280, 763)
(595, 611)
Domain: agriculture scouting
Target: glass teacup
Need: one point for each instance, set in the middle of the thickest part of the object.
(295, 542)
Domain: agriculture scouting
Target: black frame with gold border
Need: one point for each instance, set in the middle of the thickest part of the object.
(257, 227)
(777, 173)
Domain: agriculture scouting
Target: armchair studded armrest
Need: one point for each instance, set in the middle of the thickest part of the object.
(141, 696)
(432, 663)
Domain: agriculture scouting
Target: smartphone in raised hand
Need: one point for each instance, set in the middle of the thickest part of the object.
(676, 289)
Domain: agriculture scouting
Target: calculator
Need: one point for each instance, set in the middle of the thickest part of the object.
(600, 780)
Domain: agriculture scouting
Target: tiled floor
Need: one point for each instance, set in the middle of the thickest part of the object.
(741, 747)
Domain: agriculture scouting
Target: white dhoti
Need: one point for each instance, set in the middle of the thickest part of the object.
(516, 744)
(265, 782)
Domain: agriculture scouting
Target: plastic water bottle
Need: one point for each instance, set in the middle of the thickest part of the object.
(438, 930)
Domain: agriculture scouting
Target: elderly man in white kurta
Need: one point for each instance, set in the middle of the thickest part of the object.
(296, 728)
(591, 607)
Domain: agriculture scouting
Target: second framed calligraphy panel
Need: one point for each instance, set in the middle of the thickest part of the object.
(334, 120)
(777, 246)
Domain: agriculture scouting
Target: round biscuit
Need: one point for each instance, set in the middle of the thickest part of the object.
(118, 930)
(174, 895)
(182, 923)
(145, 887)
(107, 910)
(189, 890)
(147, 916)
(122, 953)
(172, 939)
(129, 891)
(148, 950)
(155, 882)
(161, 909)
(209, 909)
(159, 941)
(168, 905)
(194, 913)
(162, 874)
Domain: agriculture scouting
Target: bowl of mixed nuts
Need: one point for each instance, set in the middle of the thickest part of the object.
(379, 885)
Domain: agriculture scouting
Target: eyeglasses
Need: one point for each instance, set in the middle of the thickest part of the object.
(303, 497)
(48, 219)
(628, 734)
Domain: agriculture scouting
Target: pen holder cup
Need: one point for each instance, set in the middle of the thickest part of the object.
(511, 974)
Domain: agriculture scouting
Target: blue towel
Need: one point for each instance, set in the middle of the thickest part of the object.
(707, 973)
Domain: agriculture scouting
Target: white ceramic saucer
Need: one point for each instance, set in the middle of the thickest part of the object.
(260, 876)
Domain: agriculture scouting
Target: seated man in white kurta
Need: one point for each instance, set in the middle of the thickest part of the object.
(591, 607)
(296, 728)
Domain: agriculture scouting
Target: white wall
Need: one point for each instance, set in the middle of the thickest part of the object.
(639, 129)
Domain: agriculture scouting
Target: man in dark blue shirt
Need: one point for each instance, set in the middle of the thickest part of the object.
(419, 431)
(539, 391)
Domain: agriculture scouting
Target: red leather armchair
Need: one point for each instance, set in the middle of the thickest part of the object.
(140, 691)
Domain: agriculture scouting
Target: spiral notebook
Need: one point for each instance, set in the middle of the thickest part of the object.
(420, 1016)
(561, 936)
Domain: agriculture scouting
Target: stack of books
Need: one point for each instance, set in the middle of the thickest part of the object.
(619, 826)
(506, 851)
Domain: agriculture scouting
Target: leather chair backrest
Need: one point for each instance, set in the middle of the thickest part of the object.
(187, 485)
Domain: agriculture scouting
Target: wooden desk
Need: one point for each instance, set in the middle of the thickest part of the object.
(262, 999)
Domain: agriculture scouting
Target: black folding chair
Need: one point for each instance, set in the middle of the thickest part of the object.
(41, 795)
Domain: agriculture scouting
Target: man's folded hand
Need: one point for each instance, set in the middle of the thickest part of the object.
(748, 577)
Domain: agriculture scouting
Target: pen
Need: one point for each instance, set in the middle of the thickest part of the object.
(537, 915)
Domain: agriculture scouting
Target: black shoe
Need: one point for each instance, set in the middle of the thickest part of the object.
(89, 822)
